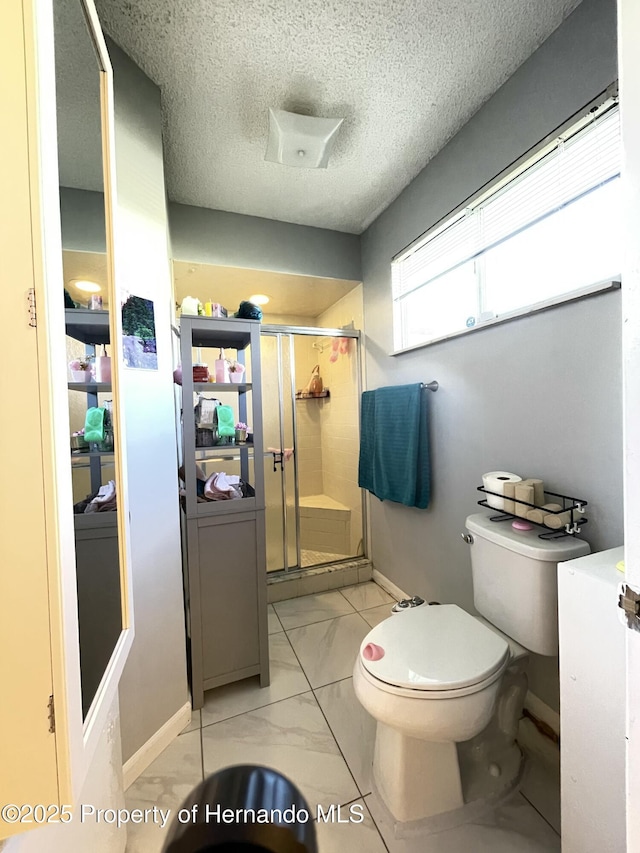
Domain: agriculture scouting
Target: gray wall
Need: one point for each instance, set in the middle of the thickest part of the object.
(82, 220)
(230, 239)
(540, 395)
(227, 239)
(154, 683)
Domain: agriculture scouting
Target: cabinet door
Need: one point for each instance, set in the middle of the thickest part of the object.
(227, 554)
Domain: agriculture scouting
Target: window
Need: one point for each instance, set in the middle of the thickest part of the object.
(546, 232)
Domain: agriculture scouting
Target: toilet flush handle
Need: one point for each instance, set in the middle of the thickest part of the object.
(468, 538)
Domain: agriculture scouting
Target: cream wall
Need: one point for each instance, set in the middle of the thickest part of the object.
(309, 417)
(102, 789)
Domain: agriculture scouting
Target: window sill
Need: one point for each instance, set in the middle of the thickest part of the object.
(573, 296)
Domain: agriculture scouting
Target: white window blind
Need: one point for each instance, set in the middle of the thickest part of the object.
(541, 233)
(576, 166)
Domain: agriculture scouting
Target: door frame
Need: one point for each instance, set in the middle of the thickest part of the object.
(629, 74)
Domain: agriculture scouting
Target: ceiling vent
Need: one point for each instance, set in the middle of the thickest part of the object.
(300, 140)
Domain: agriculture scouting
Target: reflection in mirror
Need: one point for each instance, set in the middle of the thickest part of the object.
(93, 470)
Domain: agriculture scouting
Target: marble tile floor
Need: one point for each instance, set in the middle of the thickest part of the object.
(309, 725)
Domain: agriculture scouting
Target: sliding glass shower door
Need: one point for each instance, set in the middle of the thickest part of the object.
(282, 518)
(314, 508)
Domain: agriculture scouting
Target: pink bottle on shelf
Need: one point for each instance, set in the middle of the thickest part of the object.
(222, 371)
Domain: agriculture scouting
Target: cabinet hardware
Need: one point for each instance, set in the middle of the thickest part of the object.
(51, 714)
(31, 307)
(629, 602)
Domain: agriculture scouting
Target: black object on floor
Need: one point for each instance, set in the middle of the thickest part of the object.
(227, 812)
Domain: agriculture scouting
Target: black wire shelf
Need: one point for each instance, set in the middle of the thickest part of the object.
(570, 525)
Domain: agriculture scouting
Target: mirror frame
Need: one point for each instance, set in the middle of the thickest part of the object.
(116, 663)
(76, 739)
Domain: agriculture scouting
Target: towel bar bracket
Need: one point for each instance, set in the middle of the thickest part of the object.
(431, 386)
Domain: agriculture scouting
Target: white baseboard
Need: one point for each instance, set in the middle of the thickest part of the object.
(538, 745)
(541, 780)
(150, 750)
(388, 586)
(542, 711)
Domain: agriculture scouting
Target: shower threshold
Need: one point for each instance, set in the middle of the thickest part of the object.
(307, 581)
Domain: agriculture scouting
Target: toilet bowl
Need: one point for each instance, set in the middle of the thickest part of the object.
(432, 681)
(447, 688)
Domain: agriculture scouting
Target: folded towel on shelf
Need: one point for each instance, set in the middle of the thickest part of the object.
(105, 500)
(226, 421)
(394, 444)
(94, 424)
(222, 487)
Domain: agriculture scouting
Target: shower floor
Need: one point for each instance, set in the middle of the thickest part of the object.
(315, 558)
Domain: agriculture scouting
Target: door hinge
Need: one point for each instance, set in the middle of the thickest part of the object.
(52, 715)
(629, 602)
(31, 300)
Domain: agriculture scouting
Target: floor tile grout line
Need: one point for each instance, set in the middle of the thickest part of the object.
(319, 686)
(354, 609)
(268, 704)
(348, 803)
(333, 735)
(259, 707)
(335, 740)
(375, 823)
(335, 616)
(277, 617)
(330, 619)
(537, 810)
(201, 747)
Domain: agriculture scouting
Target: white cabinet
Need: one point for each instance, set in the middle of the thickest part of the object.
(592, 704)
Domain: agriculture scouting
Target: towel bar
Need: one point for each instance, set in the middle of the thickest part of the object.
(432, 386)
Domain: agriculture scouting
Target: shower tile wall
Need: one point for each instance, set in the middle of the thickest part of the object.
(308, 415)
(339, 417)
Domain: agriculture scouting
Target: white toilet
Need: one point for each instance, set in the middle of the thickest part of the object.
(446, 688)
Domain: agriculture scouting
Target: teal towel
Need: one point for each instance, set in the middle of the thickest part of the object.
(226, 421)
(394, 445)
(94, 424)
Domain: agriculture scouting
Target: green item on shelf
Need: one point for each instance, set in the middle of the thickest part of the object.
(94, 424)
(226, 421)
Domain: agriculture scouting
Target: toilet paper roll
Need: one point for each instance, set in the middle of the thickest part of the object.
(509, 492)
(524, 492)
(538, 515)
(556, 522)
(495, 481)
(538, 490)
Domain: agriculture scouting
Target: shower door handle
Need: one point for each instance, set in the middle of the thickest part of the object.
(278, 459)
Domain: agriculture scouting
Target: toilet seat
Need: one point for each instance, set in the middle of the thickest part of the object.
(433, 652)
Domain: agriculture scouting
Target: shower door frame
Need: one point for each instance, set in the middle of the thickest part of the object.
(279, 332)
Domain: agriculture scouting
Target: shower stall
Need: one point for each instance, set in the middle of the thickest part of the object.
(314, 507)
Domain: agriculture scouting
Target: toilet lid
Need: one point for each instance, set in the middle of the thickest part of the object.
(433, 648)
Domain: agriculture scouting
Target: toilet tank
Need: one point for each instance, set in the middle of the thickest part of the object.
(515, 582)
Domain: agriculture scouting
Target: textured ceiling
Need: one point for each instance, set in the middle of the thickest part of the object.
(406, 75)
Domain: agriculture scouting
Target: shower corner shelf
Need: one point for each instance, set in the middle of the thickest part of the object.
(303, 395)
(224, 541)
(573, 506)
